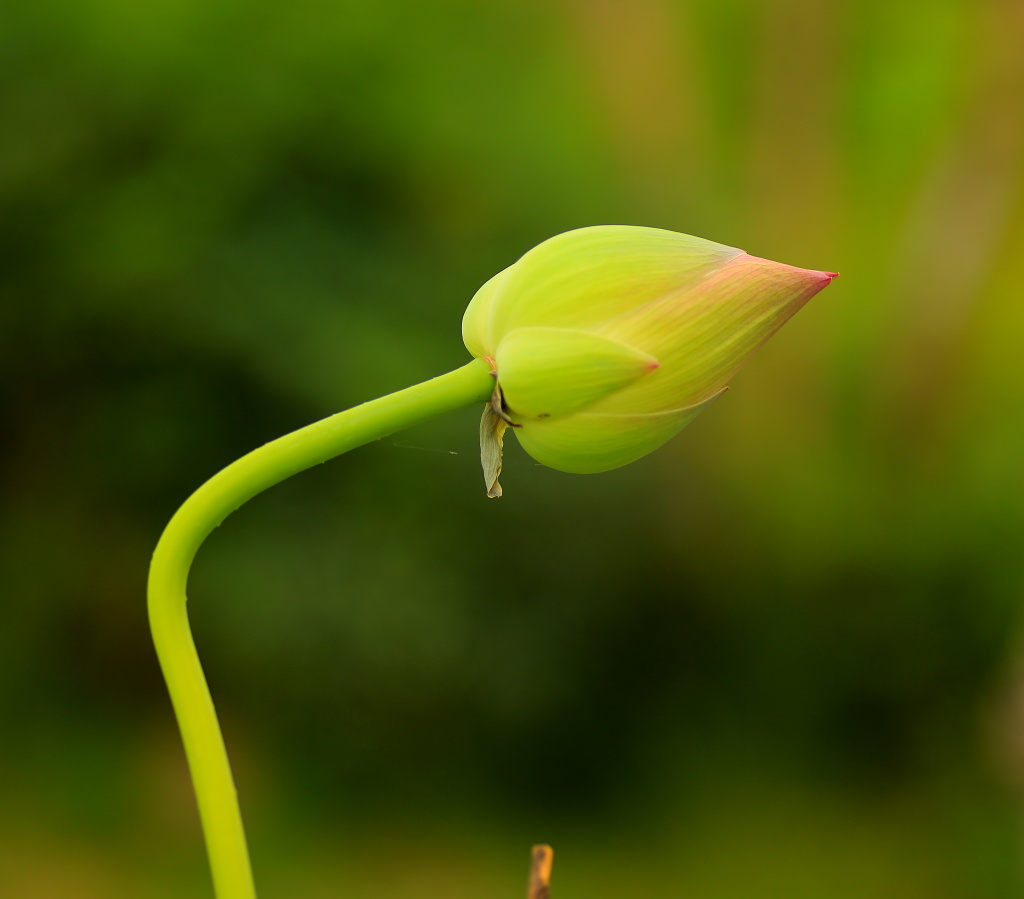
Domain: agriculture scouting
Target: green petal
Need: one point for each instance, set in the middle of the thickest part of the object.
(582, 278)
(476, 322)
(589, 442)
(551, 372)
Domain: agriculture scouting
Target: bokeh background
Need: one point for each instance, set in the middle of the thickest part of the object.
(782, 657)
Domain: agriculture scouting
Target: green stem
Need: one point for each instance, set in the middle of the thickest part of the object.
(190, 526)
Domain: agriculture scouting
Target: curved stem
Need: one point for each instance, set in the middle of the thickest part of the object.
(168, 575)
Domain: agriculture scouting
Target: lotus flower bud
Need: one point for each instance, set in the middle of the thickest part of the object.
(606, 341)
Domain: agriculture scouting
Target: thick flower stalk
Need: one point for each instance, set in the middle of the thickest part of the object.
(596, 346)
(606, 341)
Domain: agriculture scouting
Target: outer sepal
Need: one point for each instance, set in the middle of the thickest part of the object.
(589, 442)
(552, 372)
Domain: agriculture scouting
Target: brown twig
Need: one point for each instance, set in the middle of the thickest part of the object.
(540, 872)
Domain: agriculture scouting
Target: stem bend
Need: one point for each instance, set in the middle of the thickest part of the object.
(203, 511)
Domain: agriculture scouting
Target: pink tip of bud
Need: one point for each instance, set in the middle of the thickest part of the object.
(824, 278)
(653, 365)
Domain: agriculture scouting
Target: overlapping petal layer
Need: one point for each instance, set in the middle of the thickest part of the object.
(703, 334)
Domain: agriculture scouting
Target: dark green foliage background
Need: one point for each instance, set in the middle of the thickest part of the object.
(780, 657)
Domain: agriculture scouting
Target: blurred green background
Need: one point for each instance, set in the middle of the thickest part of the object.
(782, 657)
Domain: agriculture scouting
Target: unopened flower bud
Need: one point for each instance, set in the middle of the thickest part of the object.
(606, 341)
